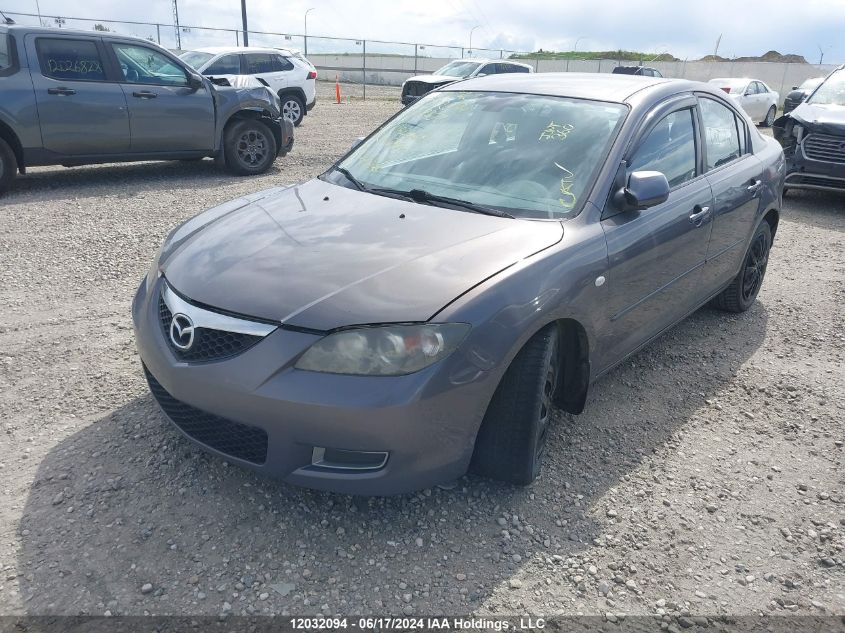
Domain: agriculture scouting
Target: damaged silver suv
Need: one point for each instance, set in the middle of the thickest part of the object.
(76, 98)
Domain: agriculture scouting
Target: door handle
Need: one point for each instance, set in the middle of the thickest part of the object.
(754, 186)
(65, 92)
(699, 214)
(144, 94)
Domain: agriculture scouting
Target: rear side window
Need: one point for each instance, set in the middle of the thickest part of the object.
(226, 65)
(490, 69)
(260, 63)
(282, 63)
(5, 53)
(77, 60)
(721, 133)
(669, 148)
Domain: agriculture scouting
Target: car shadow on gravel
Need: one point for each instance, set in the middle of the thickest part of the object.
(125, 516)
(59, 183)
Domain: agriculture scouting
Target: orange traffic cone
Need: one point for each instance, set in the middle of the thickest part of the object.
(337, 88)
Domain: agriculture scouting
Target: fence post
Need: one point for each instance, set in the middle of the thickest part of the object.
(364, 42)
(783, 81)
(501, 54)
(599, 70)
(237, 39)
(462, 52)
(416, 46)
(158, 34)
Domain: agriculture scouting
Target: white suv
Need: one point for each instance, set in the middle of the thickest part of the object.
(284, 71)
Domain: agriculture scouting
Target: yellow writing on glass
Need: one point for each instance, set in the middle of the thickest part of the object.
(556, 131)
(567, 199)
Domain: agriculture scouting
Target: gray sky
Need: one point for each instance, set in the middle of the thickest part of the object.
(682, 27)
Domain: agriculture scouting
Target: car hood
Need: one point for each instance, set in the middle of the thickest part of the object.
(821, 118)
(322, 256)
(435, 79)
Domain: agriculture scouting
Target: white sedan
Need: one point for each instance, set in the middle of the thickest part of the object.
(758, 100)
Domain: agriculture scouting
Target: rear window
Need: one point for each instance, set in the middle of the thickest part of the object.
(5, 53)
(226, 65)
(77, 60)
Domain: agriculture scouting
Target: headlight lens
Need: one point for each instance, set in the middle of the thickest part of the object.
(383, 350)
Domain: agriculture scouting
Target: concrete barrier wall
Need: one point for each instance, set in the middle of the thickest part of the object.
(392, 70)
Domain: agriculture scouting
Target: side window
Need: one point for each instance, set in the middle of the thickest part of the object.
(142, 65)
(281, 64)
(721, 133)
(5, 53)
(489, 69)
(669, 148)
(518, 69)
(761, 88)
(226, 65)
(259, 63)
(76, 60)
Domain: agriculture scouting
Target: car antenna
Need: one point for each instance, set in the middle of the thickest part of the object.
(6, 18)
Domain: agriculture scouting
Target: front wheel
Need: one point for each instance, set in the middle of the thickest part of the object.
(512, 439)
(8, 166)
(770, 117)
(250, 147)
(293, 108)
(744, 288)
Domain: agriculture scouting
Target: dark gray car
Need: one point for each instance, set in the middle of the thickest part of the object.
(486, 255)
(79, 97)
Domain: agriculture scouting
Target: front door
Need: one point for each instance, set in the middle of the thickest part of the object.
(166, 114)
(656, 256)
(80, 110)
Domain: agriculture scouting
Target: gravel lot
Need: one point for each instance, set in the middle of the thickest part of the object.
(705, 477)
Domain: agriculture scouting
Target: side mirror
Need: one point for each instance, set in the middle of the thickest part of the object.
(645, 189)
(194, 81)
(481, 75)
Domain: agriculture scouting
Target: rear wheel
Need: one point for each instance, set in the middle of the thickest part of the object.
(511, 442)
(743, 290)
(250, 147)
(293, 108)
(8, 166)
(770, 117)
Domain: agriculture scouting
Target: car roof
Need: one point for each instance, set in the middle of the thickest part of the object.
(745, 79)
(597, 86)
(52, 30)
(220, 50)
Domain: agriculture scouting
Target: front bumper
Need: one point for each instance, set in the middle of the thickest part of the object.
(805, 173)
(425, 422)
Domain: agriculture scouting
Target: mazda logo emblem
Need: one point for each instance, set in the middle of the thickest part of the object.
(182, 331)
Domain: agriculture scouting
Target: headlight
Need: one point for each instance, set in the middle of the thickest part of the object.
(383, 350)
(153, 273)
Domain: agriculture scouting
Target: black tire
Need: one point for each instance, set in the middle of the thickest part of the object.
(250, 147)
(293, 108)
(512, 437)
(8, 166)
(742, 292)
(770, 117)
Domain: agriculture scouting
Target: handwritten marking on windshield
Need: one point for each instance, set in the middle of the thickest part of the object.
(568, 199)
(556, 131)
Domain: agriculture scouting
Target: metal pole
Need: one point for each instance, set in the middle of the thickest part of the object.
(305, 35)
(416, 51)
(243, 19)
(237, 38)
(158, 34)
(462, 52)
(364, 63)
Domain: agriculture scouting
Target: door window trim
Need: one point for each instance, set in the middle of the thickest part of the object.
(108, 75)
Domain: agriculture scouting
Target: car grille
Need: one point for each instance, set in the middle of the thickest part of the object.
(816, 181)
(416, 89)
(241, 441)
(825, 147)
(209, 345)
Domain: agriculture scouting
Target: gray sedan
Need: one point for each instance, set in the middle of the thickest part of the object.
(421, 308)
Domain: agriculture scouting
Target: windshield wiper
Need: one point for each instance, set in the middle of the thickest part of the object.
(360, 186)
(420, 195)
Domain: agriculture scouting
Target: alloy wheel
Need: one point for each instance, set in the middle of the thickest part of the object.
(755, 267)
(291, 110)
(252, 148)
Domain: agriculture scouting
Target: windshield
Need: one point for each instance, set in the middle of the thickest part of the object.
(195, 59)
(810, 84)
(528, 155)
(832, 91)
(458, 69)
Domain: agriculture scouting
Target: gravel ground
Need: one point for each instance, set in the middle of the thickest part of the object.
(705, 477)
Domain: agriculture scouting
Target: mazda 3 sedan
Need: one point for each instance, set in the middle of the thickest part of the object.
(421, 308)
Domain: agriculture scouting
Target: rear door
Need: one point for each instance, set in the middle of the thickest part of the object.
(656, 256)
(166, 114)
(270, 68)
(736, 177)
(81, 107)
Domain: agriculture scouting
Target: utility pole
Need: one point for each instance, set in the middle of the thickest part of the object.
(716, 50)
(822, 51)
(478, 26)
(176, 24)
(243, 19)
